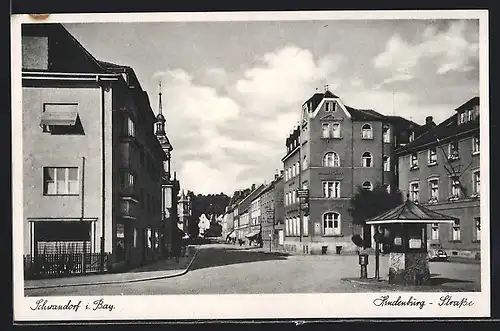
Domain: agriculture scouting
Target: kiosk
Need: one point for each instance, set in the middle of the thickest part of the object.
(403, 232)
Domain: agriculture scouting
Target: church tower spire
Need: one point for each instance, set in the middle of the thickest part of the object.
(160, 119)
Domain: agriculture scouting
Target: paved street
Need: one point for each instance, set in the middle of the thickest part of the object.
(228, 269)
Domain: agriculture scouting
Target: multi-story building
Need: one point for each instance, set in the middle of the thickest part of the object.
(272, 212)
(244, 226)
(334, 150)
(92, 165)
(170, 185)
(440, 169)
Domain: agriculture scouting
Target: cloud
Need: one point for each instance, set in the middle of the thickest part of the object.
(450, 50)
(227, 141)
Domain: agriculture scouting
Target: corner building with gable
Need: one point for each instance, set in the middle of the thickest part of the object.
(333, 150)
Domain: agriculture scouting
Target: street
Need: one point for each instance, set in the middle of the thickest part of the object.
(229, 269)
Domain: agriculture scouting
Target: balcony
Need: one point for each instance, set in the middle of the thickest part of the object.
(129, 208)
(453, 156)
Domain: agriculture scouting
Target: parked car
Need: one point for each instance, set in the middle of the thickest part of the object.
(435, 251)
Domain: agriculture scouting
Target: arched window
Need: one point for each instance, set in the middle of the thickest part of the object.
(366, 131)
(331, 224)
(331, 159)
(367, 160)
(386, 133)
(367, 186)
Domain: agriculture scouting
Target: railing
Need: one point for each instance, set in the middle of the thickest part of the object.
(62, 264)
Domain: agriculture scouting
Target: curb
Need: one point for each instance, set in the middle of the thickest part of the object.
(180, 273)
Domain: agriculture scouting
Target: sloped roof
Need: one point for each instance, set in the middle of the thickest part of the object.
(364, 114)
(409, 212)
(317, 97)
(444, 132)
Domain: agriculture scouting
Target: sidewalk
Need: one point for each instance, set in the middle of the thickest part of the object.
(165, 268)
(436, 285)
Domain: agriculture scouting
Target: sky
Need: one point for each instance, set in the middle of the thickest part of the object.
(232, 91)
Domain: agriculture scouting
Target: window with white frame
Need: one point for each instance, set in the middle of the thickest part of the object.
(433, 190)
(434, 231)
(127, 180)
(335, 130)
(304, 163)
(297, 226)
(455, 231)
(294, 226)
(432, 156)
(366, 131)
(387, 163)
(293, 170)
(305, 225)
(476, 182)
(475, 145)
(367, 186)
(129, 127)
(463, 117)
(412, 137)
(453, 152)
(414, 161)
(414, 189)
(470, 115)
(331, 224)
(298, 167)
(328, 106)
(325, 130)
(386, 134)
(287, 226)
(455, 188)
(331, 159)
(477, 228)
(331, 189)
(60, 181)
(367, 160)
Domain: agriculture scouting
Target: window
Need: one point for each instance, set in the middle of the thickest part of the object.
(331, 159)
(304, 163)
(331, 224)
(414, 161)
(127, 180)
(367, 160)
(453, 151)
(325, 130)
(294, 196)
(367, 186)
(386, 133)
(120, 242)
(462, 117)
(455, 231)
(336, 130)
(476, 183)
(477, 228)
(286, 199)
(293, 170)
(433, 190)
(328, 106)
(475, 145)
(366, 132)
(387, 163)
(149, 236)
(331, 189)
(412, 136)
(455, 188)
(414, 188)
(434, 231)
(305, 226)
(136, 235)
(469, 115)
(60, 181)
(432, 156)
(129, 127)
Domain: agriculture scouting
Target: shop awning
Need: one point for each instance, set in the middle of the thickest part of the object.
(252, 234)
(57, 117)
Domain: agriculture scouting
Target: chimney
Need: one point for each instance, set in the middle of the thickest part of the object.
(428, 120)
(253, 187)
(276, 176)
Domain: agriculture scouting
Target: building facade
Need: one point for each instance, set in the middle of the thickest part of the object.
(272, 213)
(334, 150)
(92, 165)
(183, 212)
(441, 170)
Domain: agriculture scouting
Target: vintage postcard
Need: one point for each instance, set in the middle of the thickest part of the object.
(246, 165)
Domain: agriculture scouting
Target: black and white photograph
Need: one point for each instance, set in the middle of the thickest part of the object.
(250, 165)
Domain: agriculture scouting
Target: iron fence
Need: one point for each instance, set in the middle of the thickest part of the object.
(62, 264)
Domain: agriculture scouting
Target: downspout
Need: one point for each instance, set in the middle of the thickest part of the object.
(82, 214)
(103, 176)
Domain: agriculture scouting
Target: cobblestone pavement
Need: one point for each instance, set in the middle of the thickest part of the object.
(228, 269)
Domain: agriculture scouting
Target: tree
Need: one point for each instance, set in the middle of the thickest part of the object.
(211, 205)
(366, 204)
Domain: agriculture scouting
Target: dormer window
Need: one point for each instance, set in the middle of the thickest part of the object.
(366, 132)
(412, 137)
(328, 106)
(462, 118)
(470, 115)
